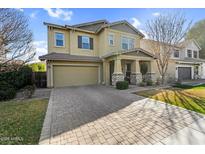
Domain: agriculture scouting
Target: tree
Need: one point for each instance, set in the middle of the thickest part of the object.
(197, 32)
(166, 32)
(38, 67)
(15, 39)
(143, 69)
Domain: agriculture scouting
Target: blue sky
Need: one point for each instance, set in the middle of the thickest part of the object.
(137, 17)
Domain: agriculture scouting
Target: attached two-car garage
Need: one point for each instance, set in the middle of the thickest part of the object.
(64, 69)
(65, 75)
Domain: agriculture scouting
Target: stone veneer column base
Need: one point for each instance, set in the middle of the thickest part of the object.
(117, 77)
(135, 78)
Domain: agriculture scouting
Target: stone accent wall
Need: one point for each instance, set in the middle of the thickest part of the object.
(135, 78)
(117, 77)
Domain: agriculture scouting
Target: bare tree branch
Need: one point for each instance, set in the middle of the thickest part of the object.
(166, 32)
(15, 39)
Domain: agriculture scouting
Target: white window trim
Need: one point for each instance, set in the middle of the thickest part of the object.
(55, 39)
(113, 39)
(176, 57)
(184, 65)
(128, 38)
(197, 56)
(187, 53)
(82, 43)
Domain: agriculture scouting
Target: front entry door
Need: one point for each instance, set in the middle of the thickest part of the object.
(128, 72)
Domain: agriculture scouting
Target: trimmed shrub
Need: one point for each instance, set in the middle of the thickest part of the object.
(149, 82)
(121, 85)
(28, 91)
(142, 84)
(18, 79)
(7, 91)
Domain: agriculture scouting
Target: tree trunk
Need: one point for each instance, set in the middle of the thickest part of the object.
(163, 78)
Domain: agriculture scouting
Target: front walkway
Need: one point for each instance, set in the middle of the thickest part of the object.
(103, 115)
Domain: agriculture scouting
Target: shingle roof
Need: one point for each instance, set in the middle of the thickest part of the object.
(95, 26)
(129, 51)
(186, 59)
(68, 57)
(90, 23)
(141, 50)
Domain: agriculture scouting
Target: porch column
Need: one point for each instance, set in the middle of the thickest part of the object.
(136, 76)
(151, 72)
(117, 75)
(105, 72)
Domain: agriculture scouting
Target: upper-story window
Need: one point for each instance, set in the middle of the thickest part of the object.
(59, 39)
(127, 43)
(131, 43)
(176, 53)
(195, 54)
(189, 53)
(111, 39)
(85, 42)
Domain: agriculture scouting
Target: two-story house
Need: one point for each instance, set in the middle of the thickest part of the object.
(184, 63)
(96, 52)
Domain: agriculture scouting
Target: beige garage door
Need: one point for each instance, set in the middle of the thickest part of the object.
(74, 75)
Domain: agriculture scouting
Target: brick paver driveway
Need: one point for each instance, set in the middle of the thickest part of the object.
(103, 115)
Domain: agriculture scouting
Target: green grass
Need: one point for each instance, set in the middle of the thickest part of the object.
(21, 121)
(192, 98)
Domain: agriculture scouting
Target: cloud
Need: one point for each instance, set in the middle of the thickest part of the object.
(20, 9)
(33, 15)
(135, 22)
(41, 49)
(156, 14)
(59, 13)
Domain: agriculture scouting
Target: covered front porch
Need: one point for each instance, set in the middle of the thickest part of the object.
(127, 67)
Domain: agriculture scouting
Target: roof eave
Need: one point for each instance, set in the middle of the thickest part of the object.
(54, 25)
(90, 23)
(79, 29)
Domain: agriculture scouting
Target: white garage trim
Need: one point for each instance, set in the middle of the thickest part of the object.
(51, 75)
(81, 65)
(192, 70)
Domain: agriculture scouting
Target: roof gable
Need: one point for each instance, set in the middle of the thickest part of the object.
(93, 27)
(190, 44)
(138, 52)
(125, 27)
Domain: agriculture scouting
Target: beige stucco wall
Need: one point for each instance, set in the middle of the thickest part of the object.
(100, 41)
(51, 40)
(117, 40)
(170, 70)
(74, 50)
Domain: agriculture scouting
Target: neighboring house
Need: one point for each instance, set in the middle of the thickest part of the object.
(184, 63)
(101, 52)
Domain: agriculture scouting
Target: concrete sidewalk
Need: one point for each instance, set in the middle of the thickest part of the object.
(193, 134)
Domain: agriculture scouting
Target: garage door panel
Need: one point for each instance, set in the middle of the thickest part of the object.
(184, 73)
(74, 75)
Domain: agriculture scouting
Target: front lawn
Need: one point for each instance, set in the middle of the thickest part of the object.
(21, 121)
(191, 98)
